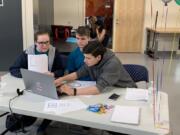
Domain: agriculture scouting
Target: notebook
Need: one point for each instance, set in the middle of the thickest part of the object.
(136, 94)
(126, 114)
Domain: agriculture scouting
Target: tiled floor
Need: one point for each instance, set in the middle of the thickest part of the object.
(170, 84)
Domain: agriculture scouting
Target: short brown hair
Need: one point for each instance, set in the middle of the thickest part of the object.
(41, 32)
(94, 48)
(83, 31)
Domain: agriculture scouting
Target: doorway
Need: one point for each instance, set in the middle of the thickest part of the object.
(102, 12)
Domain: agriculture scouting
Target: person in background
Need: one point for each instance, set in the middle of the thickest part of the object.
(55, 64)
(42, 46)
(101, 65)
(92, 26)
(101, 33)
(98, 30)
(76, 57)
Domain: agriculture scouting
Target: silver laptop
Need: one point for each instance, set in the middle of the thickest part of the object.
(39, 83)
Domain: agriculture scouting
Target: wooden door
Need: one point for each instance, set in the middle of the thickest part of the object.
(128, 25)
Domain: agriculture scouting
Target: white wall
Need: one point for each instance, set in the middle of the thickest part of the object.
(69, 12)
(27, 22)
(173, 11)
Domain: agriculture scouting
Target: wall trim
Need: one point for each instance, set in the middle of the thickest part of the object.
(27, 23)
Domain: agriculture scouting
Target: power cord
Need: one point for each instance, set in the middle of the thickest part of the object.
(4, 114)
(12, 114)
(19, 94)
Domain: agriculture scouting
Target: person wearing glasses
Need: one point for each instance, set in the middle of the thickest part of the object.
(42, 46)
(55, 66)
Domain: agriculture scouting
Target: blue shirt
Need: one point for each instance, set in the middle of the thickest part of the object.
(75, 61)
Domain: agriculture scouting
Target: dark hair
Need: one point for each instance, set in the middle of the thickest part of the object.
(95, 48)
(100, 24)
(41, 32)
(83, 31)
(90, 17)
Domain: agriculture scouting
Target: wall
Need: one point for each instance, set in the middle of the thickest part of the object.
(27, 23)
(46, 14)
(11, 37)
(36, 15)
(173, 11)
(69, 12)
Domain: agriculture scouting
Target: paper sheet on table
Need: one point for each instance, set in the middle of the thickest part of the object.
(136, 94)
(126, 114)
(81, 84)
(64, 106)
(38, 63)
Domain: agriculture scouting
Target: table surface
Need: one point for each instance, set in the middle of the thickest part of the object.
(163, 30)
(32, 105)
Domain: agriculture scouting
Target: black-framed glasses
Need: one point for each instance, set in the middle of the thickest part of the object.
(44, 43)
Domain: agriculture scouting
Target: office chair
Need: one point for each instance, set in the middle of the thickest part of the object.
(137, 72)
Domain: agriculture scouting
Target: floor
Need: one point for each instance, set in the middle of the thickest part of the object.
(170, 83)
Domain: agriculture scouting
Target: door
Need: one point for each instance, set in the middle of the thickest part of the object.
(128, 25)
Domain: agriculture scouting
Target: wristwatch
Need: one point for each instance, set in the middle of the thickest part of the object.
(75, 91)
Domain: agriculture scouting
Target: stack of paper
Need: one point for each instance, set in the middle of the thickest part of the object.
(38, 63)
(64, 106)
(136, 94)
(126, 114)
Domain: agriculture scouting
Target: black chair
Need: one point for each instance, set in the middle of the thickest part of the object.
(137, 72)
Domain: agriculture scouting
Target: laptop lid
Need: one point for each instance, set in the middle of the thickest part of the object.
(39, 83)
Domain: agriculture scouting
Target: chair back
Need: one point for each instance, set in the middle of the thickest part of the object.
(137, 72)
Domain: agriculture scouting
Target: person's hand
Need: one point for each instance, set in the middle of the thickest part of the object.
(58, 82)
(49, 73)
(66, 89)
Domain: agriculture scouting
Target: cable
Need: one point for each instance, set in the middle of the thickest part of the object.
(15, 118)
(4, 114)
(10, 103)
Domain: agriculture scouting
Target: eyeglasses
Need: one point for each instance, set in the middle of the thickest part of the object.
(43, 43)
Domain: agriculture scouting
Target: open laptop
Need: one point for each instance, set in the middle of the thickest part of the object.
(39, 83)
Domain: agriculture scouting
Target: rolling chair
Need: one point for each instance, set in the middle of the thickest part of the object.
(137, 72)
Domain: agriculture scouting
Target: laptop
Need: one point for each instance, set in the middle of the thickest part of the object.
(39, 83)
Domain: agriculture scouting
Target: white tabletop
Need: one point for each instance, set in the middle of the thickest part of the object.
(33, 105)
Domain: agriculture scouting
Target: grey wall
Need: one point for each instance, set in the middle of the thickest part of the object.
(46, 13)
(36, 15)
(11, 41)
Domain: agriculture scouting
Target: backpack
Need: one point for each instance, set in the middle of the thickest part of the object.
(15, 122)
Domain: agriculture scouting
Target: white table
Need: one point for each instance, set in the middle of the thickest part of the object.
(32, 105)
